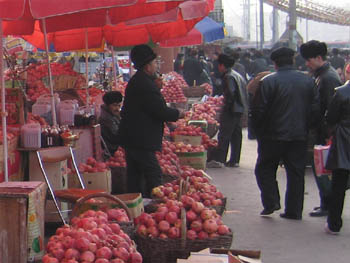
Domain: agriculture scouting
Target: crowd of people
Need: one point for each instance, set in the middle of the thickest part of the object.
(294, 100)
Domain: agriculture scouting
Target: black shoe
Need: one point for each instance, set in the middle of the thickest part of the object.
(269, 211)
(231, 164)
(288, 216)
(318, 212)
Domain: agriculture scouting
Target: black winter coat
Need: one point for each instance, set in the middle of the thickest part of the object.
(192, 71)
(284, 105)
(235, 93)
(109, 129)
(338, 116)
(327, 79)
(143, 114)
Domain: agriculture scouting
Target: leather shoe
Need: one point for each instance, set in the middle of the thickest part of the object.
(289, 216)
(318, 212)
(269, 211)
(231, 164)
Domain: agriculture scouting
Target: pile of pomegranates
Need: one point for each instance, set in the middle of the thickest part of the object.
(92, 237)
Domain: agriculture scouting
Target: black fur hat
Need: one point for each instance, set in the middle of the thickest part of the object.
(313, 48)
(282, 52)
(227, 60)
(141, 55)
(112, 97)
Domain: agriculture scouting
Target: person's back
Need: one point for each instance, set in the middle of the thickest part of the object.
(289, 95)
(192, 69)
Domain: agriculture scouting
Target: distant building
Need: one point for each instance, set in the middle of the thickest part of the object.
(218, 13)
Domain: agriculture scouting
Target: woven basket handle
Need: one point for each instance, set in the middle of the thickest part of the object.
(97, 195)
(183, 227)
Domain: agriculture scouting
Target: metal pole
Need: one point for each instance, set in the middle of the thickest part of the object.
(113, 68)
(87, 66)
(292, 24)
(3, 108)
(53, 106)
(307, 29)
(275, 28)
(248, 21)
(256, 24)
(262, 40)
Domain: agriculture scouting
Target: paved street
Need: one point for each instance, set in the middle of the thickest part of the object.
(280, 240)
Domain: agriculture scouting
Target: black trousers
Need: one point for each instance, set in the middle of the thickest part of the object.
(230, 132)
(143, 171)
(340, 179)
(293, 155)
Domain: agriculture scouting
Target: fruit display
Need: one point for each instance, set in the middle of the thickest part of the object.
(191, 130)
(9, 135)
(32, 118)
(93, 93)
(201, 222)
(118, 159)
(181, 147)
(208, 88)
(172, 89)
(92, 166)
(92, 237)
(168, 160)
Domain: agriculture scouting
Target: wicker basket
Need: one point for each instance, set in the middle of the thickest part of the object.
(193, 91)
(157, 250)
(111, 202)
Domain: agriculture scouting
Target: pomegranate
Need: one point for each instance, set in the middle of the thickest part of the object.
(104, 252)
(58, 253)
(115, 228)
(142, 230)
(206, 214)
(153, 231)
(135, 257)
(82, 244)
(191, 235)
(87, 256)
(121, 253)
(159, 216)
(71, 253)
(164, 226)
(223, 230)
(210, 226)
(191, 216)
(203, 235)
(197, 207)
(174, 232)
(171, 217)
(196, 226)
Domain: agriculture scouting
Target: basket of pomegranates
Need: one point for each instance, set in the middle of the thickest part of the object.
(116, 209)
(176, 229)
(91, 237)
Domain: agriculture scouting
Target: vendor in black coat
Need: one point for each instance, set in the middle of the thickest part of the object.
(338, 161)
(110, 120)
(143, 115)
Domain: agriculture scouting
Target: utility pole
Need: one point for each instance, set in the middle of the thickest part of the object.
(262, 39)
(292, 29)
(246, 19)
(275, 25)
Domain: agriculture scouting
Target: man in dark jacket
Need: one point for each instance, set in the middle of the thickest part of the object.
(110, 120)
(235, 103)
(141, 129)
(281, 112)
(192, 69)
(327, 79)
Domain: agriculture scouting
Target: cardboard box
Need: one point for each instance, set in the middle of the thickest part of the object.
(22, 221)
(197, 160)
(193, 140)
(134, 202)
(92, 181)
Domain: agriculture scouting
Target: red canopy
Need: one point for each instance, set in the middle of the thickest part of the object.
(176, 22)
(69, 14)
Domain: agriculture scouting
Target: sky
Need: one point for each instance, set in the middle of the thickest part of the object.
(233, 11)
